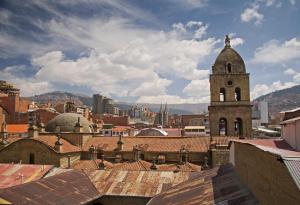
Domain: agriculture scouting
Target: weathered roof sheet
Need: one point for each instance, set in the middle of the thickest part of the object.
(71, 187)
(293, 165)
(15, 174)
(276, 146)
(135, 183)
(215, 186)
(290, 120)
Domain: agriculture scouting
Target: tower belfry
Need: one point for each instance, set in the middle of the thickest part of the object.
(230, 108)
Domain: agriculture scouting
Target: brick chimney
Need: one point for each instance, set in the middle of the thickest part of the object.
(101, 164)
(183, 155)
(153, 166)
(33, 131)
(93, 152)
(137, 153)
(120, 143)
(78, 127)
(58, 144)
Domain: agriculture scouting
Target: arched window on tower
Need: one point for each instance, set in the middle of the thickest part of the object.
(238, 126)
(223, 126)
(222, 95)
(237, 94)
(228, 67)
(31, 158)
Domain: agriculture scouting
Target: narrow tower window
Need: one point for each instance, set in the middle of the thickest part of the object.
(229, 67)
(223, 126)
(238, 126)
(222, 95)
(237, 94)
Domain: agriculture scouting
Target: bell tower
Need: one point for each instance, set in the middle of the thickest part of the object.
(230, 108)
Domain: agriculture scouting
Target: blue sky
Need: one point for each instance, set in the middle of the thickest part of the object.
(146, 51)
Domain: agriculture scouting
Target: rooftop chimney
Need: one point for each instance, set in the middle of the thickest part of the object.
(183, 155)
(33, 131)
(93, 152)
(137, 153)
(120, 143)
(78, 126)
(101, 164)
(153, 166)
(58, 143)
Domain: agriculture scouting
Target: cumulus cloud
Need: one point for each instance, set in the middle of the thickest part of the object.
(290, 71)
(252, 14)
(172, 99)
(140, 64)
(262, 89)
(190, 4)
(275, 52)
(197, 88)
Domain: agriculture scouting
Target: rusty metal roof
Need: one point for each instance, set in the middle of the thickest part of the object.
(135, 183)
(72, 187)
(215, 186)
(15, 174)
(293, 165)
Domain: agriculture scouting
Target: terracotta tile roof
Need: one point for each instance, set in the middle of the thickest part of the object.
(120, 128)
(215, 186)
(48, 140)
(275, 146)
(51, 139)
(157, 144)
(135, 183)
(72, 187)
(10, 174)
(90, 164)
(17, 128)
(173, 131)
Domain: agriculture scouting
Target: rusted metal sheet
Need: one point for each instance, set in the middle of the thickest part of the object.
(293, 165)
(215, 186)
(15, 174)
(134, 183)
(72, 187)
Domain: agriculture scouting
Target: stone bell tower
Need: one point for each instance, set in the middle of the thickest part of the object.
(230, 108)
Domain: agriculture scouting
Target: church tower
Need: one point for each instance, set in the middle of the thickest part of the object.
(230, 108)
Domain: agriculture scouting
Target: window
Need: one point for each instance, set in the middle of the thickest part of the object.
(237, 94)
(31, 158)
(222, 95)
(223, 126)
(229, 67)
(238, 126)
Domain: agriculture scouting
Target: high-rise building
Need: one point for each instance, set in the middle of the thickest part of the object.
(230, 108)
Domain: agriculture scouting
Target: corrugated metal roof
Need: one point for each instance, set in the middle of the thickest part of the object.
(293, 165)
(290, 120)
(15, 174)
(214, 186)
(135, 183)
(71, 187)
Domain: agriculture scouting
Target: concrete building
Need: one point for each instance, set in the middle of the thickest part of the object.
(269, 168)
(230, 108)
(260, 114)
(291, 132)
(102, 104)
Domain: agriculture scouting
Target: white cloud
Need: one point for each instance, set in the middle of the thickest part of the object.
(262, 89)
(197, 88)
(274, 52)
(290, 71)
(293, 2)
(190, 4)
(123, 65)
(172, 99)
(252, 14)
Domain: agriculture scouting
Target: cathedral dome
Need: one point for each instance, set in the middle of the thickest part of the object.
(67, 122)
(228, 61)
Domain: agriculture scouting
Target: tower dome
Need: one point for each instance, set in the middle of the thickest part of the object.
(228, 61)
(67, 122)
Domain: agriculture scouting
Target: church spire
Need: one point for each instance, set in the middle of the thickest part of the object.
(161, 109)
(166, 107)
